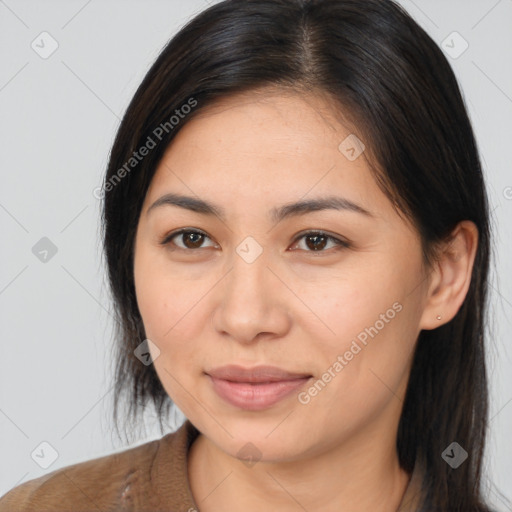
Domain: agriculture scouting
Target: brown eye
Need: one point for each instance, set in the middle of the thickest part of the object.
(190, 239)
(194, 239)
(316, 241)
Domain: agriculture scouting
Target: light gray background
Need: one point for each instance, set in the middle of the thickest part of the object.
(58, 119)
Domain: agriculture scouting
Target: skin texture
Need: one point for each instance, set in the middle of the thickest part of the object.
(292, 307)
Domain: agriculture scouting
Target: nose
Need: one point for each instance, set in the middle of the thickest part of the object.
(251, 302)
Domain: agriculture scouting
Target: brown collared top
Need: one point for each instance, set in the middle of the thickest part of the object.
(150, 477)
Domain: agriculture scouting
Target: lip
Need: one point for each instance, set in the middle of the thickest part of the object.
(257, 374)
(255, 388)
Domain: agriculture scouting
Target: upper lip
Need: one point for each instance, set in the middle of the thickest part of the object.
(264, 373)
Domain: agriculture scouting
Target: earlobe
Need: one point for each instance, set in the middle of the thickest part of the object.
(451, 277)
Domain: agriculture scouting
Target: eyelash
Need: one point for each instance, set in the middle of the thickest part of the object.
(340, 244)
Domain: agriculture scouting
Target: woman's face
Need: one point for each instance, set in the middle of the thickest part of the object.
(250, 289)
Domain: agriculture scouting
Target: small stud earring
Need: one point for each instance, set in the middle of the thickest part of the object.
(438, 317)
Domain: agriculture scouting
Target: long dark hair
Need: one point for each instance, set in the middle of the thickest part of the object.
(387, 76)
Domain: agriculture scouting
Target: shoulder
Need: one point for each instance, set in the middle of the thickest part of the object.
(99, 484)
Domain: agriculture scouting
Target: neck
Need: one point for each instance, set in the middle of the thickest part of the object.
(357, 476)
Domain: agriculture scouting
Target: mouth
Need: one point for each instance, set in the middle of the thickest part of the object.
(259, 374)
(256, 388)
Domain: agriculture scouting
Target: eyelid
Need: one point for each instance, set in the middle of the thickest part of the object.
(168, 237)
(336, 238)
(340, 242)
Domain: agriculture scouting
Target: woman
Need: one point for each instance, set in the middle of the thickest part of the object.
(297, 240)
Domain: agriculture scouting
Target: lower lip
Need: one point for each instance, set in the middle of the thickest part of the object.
(255, 397)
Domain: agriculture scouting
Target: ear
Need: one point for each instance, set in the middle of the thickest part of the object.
(450, 276)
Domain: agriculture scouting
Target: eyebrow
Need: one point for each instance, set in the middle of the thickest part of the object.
(276, 214)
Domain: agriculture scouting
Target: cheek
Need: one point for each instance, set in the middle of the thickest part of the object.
(164, 297)
(150, 287)
(369, 328)
(343, 308)
(169, 307)
(174, 311)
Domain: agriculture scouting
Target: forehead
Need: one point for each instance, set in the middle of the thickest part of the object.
(266, 147)
(284, 120)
